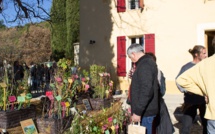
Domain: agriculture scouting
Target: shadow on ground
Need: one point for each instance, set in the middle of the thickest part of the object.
(196, 128)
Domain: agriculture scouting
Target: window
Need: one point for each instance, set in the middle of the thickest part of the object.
(133, 4)
(130, 4)
(147, 41)
(123, 62)
(138, 40)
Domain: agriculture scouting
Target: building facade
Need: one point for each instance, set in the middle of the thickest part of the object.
(168, 28)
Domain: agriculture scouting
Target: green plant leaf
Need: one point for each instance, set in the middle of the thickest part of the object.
(28, 96)
(58, 98)
(107, 132)
(52, 85)
(95, 128)
(69, 100)
(114, 121)
(65, 81)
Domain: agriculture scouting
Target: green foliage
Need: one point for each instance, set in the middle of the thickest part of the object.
(25, 43)
(10, 88)
(46, 24)
(65, 27)
(58, 34)
(85, 73)
(104, 88)
(72, 22)
(101, 82)
(2, 26)
(66, 87)
(64, 66)
(57, 55)
(94, 73)
(2, 97)
(99, 92)
(110, 119)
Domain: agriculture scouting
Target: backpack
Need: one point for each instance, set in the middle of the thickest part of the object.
(162, 83)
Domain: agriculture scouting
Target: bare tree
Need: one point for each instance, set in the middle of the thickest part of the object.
(24, 10)
(26, 44)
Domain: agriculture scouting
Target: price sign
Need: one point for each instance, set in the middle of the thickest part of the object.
(21, 99)
(87, 104)
(58, 98)
(49, 93)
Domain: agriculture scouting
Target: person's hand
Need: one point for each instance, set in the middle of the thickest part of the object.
(130, 73)
(135, 118)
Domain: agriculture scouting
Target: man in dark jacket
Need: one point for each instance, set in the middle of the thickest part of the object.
(144, 87)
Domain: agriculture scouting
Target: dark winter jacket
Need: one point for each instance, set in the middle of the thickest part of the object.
(144, 88)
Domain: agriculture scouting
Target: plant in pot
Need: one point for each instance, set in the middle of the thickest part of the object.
(56, 115)
(15, 102)
(12, 91)
(102, 87)
(61, 97)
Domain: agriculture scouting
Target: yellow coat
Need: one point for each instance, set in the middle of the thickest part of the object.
(200, 79)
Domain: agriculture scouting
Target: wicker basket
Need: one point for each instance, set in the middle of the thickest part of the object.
(53, 126)
(112, 110)
(10, 119)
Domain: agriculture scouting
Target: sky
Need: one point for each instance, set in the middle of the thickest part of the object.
(9, 13)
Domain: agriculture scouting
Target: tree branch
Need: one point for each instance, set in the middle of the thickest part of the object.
(26, 10)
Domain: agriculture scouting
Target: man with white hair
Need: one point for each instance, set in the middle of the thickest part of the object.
(144, 88)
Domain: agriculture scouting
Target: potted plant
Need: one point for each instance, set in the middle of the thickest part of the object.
(15, 103)
(63, 94)
(102, 86)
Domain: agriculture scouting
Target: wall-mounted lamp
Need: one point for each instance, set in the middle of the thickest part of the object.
(92, 42)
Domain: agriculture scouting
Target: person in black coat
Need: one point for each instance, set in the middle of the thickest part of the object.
(162, 123)
(144, 87)
(18, 71)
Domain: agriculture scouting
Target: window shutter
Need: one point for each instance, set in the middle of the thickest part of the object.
(150, 43)
(121, 6)
(121, 56)
(141, 3)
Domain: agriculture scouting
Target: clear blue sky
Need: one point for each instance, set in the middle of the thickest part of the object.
(9, 12)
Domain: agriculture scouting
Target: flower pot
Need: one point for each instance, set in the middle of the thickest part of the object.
(10, 119)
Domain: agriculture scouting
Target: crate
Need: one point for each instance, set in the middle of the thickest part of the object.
(53, 126)
(10, 119)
